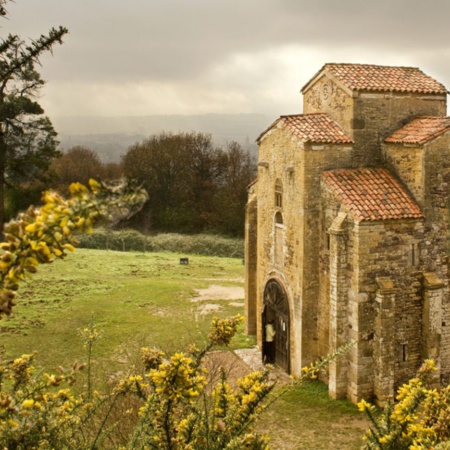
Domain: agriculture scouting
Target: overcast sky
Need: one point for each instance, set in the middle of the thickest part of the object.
(145, 57)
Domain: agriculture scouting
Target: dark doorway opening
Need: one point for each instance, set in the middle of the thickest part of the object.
(276, 309)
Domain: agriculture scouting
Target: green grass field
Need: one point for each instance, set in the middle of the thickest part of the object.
(139, 299)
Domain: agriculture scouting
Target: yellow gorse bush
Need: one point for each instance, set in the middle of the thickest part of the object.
(179, 411)
(418, 420)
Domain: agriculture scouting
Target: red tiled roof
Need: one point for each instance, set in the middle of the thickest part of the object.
(368, 77)
(371, 194)
(421, 130)
(317, 128)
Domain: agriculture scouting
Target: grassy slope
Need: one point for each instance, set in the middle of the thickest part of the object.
(128, 294)
(143, 299)
(306, 419)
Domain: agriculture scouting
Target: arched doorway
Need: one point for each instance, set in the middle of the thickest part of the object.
(276, 308)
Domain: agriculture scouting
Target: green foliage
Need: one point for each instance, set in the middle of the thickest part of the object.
(27, 138)
(195, 187)
(418, 420)
(132, 240)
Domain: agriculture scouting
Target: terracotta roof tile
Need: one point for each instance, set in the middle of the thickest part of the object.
(368, 77)
(421, 130)
(371, 194)
(318, 128)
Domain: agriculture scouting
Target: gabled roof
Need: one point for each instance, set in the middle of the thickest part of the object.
(371, 194)
(369, 77)
(421, 130)
(317, 128)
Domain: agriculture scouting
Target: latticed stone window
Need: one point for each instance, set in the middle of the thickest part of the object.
(278, 193)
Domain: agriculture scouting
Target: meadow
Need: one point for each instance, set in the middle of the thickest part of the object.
(150, 299)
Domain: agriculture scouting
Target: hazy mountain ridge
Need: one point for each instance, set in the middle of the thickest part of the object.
(110, 137)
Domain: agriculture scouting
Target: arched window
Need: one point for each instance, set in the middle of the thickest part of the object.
(278, 218)
(278, 193)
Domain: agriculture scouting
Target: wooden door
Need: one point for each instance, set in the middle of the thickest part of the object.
(276, 308)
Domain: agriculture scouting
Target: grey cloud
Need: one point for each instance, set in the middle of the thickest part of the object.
(168, 39)
(180, 41)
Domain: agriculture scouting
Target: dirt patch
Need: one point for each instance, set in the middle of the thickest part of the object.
(233, 366)
(208, 308)
(216, 292)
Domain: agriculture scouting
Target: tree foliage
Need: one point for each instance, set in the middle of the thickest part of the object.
(77, 164)
(194, 185)
(27, 138)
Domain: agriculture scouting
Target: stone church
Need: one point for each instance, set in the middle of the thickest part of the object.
(347, 229)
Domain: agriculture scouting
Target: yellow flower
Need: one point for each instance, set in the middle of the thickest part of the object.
(28, 403)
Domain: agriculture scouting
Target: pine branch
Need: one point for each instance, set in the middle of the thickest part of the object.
(31, 54)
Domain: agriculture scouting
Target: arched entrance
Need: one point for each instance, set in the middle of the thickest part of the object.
(276, 308)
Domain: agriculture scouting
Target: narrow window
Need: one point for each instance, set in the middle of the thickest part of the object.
(278, 194)
(403, 352)
(279, 238)
(414, 254)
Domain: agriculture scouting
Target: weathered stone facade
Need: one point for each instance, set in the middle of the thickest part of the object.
(347, 229)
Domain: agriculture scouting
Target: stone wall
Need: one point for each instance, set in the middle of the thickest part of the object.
(380, 114)
(425, 169)
(373, 297)
(251, 261)
(326, 96)
(298, 166)
(382, 249)
(369, 117)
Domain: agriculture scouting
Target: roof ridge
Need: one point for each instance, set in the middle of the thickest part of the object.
(377, 78)
(371, 65)
(305, 114)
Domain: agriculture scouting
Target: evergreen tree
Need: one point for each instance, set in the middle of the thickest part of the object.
(27, 137)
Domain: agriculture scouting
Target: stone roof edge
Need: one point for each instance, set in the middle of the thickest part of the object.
(317, 77)
(263, 134)
(260, 138)
(422, 141)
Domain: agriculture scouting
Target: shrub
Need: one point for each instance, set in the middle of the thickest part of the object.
(131, 240)
(172, 407)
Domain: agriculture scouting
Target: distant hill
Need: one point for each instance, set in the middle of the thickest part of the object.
(110, 137)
